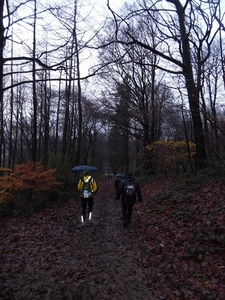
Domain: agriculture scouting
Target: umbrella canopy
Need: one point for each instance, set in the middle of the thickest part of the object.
(83, 168)
(120, 175)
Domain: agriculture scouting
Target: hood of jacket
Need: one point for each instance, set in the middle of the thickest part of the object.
(130, 177)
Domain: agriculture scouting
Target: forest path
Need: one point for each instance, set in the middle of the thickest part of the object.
(50, 256)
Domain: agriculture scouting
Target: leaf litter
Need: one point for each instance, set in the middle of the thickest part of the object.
(173, 249)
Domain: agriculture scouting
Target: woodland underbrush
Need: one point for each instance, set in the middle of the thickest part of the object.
(183, 220)
(175, 242)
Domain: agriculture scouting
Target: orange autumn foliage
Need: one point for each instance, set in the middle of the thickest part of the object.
(170, 155)
(35, 177)
(8, 184)
(30, 176)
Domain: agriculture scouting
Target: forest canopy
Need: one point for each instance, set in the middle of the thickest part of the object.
(92, 82)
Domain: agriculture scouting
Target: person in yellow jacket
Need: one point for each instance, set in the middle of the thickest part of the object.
(87, 187)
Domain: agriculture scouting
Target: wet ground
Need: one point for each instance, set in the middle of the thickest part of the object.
(51, 256)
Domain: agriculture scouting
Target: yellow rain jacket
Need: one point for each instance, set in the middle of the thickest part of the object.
(93, 186)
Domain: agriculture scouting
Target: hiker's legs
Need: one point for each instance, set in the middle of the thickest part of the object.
(90, 207)
(83, 205)
(124, 212)
(129, 212)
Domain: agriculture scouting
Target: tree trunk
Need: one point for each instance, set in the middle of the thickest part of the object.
(80, 114)
(2, 44)
(193, 94)
(34, 133)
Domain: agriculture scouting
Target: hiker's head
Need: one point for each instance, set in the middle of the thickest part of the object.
(86, 173)
(129, 174)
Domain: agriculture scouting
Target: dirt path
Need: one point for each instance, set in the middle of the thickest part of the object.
(50, 256)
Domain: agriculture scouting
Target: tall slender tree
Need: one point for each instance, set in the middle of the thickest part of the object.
(2, 44)
(192, 89)
(34, 119)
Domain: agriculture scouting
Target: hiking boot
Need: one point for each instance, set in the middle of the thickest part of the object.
(125, 223)
(89, 221)
(82, 221)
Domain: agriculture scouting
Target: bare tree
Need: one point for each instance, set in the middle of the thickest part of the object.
(212, 98)
(134, 69)
(182, 30)
(55, 51)
(2, 44)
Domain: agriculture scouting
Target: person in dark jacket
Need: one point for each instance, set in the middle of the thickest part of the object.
(117, 183)
(127, 200)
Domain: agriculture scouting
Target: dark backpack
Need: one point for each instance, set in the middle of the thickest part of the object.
(117, 183)
(130, 188)
(86, 191)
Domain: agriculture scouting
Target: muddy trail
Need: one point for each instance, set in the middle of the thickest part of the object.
(51, 256)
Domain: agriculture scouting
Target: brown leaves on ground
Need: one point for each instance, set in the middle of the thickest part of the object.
(183, 239)
(173, 249)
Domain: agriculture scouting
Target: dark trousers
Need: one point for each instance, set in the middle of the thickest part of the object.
(127, 212)
(84, 202)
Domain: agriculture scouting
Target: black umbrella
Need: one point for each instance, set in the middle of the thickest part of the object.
(83, 168)
(120, 175)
